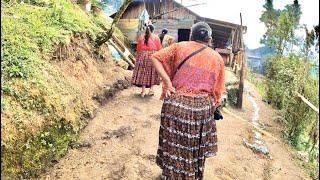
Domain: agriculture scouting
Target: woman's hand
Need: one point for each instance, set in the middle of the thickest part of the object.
(166, 79)
(169, 88)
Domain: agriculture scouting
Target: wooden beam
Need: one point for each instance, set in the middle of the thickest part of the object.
(221, 32)
(305, 100)
(222, 25)
(121, 53)
(173, 10)
(125, 49)
(231, 43)
(242, 73)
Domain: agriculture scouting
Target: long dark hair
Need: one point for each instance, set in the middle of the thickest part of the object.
(149, 30)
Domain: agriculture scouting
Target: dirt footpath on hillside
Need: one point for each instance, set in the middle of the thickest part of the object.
(121, 143)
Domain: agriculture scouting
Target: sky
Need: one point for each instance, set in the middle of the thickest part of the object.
(229, 10)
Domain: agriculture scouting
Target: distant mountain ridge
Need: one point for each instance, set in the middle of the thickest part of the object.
(261, 52)
(256, 58)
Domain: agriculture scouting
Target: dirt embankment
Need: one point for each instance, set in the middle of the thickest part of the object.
(121, 143)
(81, 80)
(91, 71)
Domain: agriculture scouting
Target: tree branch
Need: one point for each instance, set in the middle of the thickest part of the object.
(107, 35)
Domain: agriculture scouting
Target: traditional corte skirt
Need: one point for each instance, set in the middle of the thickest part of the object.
(187, 136)
(144, 74)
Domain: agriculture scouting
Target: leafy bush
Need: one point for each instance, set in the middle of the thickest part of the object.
(285, 77)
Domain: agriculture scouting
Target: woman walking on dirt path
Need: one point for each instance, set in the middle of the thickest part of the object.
(192, 91)
(144, 74)
(165, 39)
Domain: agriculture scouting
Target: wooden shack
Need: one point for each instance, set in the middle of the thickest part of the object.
(178, 19)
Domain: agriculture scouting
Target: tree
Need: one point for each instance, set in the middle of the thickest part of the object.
(316, 33)
(309, 40)
(281, 26)
(270, 18)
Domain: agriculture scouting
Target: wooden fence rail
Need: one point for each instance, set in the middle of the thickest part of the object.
(305, 100)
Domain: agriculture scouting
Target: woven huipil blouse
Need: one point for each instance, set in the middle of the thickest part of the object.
(203, 73)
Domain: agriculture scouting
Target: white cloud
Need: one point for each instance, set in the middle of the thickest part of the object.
(229, 10)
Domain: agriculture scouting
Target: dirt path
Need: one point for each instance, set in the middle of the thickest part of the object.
(122, 143)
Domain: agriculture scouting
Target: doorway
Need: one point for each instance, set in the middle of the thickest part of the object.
(183, 35)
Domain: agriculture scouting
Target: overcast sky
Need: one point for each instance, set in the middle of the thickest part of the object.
(229, 10)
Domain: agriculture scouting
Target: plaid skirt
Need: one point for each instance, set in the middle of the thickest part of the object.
(187, 136)
(144, 74)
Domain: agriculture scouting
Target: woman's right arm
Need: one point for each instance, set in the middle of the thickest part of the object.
(163, 74)
(160, 70)
(163, 61)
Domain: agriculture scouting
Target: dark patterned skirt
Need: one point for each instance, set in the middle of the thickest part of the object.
(144, 74)
(187, 136)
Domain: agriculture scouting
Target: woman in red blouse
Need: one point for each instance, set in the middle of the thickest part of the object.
(187, 134)
(144, 74)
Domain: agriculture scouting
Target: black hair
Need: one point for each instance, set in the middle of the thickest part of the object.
(164, 31)
(201, 31)
(149, 30)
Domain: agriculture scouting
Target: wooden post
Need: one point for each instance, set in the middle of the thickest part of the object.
(242, 71)
(235, 62)
(231, 58)
(231, 53)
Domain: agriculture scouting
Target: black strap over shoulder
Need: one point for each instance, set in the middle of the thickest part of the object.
(188, 57)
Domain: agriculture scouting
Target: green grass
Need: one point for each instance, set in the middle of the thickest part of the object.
(258, 81)
(41, 112)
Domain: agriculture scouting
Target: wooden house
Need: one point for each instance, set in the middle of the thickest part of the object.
(178, 19)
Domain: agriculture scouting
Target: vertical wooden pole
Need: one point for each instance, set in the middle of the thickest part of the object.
(231, 60)
(236, 55)
(242, 71)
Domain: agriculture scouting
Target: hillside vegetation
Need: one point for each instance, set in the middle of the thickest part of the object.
(46, 97)
(288, 73)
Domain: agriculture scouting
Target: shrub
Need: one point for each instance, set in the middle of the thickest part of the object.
(285, 77)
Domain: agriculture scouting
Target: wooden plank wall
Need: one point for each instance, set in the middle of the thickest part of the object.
(172, 26)
(129, 27)
(133, 11)
(156, 8)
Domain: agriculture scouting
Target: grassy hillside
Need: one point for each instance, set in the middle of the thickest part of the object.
(41, 109)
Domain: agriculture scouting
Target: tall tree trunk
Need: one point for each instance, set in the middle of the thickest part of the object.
(107, 35)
